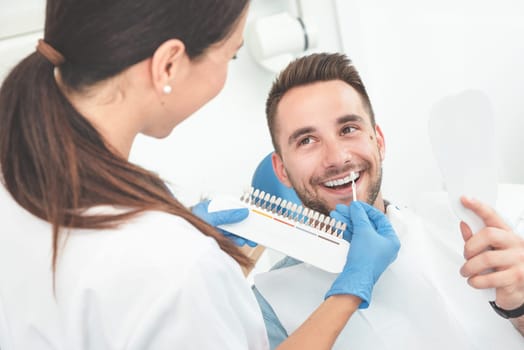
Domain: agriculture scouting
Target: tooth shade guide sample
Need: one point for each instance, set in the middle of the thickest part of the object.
(290, 228)
(353, 185)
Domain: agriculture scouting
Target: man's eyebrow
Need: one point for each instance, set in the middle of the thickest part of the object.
(350, 118)
(298, 133)
(309, 129)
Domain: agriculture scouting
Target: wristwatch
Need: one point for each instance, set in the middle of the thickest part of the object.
(508, 313)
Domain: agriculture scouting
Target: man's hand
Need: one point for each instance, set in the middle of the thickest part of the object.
(494, 257)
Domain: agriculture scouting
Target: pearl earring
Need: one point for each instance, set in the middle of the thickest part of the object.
(167, 89)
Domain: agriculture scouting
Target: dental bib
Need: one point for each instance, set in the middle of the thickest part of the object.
(411, 308)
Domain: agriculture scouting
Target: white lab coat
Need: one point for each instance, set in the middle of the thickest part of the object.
(419, 302)
(154, 283)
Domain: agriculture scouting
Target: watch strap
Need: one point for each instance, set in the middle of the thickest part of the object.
(507, 313)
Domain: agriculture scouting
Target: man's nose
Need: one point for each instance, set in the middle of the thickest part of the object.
(336, 154)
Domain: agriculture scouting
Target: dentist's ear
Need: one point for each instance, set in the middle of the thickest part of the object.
(166, 62)
(381, 142)
(279, 169)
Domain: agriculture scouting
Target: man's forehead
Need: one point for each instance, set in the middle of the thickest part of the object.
(329, 101)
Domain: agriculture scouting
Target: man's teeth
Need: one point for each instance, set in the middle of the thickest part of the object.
(354, 175)
(343, 181)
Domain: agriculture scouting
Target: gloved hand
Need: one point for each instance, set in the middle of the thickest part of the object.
(222, 217)
(374, 246)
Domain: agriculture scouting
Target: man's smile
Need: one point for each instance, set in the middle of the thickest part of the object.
(343, 181)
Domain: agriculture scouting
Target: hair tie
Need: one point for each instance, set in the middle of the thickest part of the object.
(50, 53)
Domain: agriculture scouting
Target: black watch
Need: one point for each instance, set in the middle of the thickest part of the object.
(508, 313)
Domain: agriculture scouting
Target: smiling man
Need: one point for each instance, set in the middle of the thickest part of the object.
(320, 152)
(323, 129)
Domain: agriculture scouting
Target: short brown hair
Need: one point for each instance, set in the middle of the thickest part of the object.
(310, 69)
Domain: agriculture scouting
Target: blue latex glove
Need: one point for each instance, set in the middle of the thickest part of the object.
(341, 213)
(374, 246)
(222, 217)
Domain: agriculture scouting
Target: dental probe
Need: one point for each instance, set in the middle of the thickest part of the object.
(353, 186)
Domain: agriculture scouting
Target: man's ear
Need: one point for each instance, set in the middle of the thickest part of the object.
(280, 171)
(381, 142)
(166, 63)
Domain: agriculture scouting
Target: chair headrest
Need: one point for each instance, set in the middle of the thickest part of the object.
(264, 179)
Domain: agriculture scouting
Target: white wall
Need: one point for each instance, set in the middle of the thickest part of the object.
(21, 23)
(410, 53)
(413, 53)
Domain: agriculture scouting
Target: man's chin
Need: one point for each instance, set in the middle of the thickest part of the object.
(316, 205)
(311, 200)
(333, 202)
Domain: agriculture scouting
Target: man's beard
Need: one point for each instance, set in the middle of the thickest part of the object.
(312, 201)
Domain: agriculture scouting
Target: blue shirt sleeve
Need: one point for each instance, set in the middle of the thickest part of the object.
(275, 331)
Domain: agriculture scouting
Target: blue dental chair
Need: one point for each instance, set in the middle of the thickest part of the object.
(264, 179)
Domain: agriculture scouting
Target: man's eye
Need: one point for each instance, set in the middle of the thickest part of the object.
(348, 130)
(305, 141)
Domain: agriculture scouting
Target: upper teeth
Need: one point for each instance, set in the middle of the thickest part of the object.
(352, 176)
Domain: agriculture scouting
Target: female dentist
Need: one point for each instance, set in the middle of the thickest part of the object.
(81, 266)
